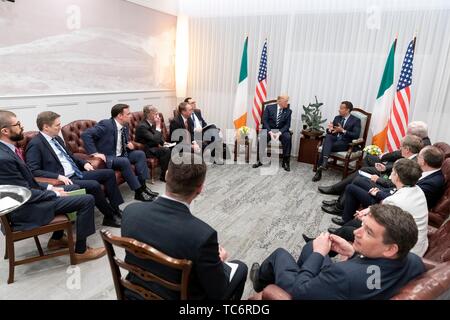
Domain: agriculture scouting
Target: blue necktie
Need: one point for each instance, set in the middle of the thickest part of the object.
(124, 142)
(77, 171)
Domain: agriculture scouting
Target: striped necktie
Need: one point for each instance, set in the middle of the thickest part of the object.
(279, 117)
(77, 171)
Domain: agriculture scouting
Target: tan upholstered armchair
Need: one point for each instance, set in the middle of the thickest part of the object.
(350, 160)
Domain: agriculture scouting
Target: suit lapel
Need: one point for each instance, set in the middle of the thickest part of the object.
(26, 172)
(115, 134)
(49, 147)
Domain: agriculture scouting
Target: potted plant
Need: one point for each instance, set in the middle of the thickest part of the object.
(312, 119)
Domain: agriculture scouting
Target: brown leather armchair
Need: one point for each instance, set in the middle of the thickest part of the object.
(441, 210)
(439, 243)
(72, 137)
(22, 145)
(152, 162)
(433, 284)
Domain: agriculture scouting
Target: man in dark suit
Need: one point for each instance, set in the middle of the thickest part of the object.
(211, 137)
(168, 225)
(415, 128)
(109, 141)
(379, 261)
(432, 181)
(48, 157)
(277, 121)
(150, 133)
(46, 201)
(344, 128)
(411, 145)
(182, 130)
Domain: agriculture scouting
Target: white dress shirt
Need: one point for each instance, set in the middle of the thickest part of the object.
(67, 166)
(412, 200)
(119, 139)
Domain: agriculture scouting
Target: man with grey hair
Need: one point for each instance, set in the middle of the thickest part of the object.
(150, 132)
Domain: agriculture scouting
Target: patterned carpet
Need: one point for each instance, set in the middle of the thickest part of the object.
(253, 211)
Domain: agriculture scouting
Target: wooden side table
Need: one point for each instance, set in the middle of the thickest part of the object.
(307, 150)
(245, 143)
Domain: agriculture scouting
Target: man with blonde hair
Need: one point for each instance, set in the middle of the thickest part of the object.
(277, 122)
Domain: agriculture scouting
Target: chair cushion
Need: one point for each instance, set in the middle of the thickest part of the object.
(343, 154)
(363, 119)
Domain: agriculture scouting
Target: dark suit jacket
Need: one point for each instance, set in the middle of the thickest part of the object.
(171, 228)
(433, 187)
(148, 135)
(102, 138)
(395, 155)
(198, 113)
(178, 123)
(270, 118)
(352, 127)
(39, 210)
(349, 279)
(43, 161)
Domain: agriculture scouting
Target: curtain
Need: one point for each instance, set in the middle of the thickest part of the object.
(336, 55)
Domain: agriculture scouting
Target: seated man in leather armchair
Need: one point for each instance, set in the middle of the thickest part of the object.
(376, 266)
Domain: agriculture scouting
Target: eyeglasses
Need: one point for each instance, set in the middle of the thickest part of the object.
(13, 125)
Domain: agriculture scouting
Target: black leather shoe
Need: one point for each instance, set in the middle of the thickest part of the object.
(327, 190)
(150, 192)
(287, 167)
(318, 175)
(329, 203)
(163, 179)
(332, 210)
(306, 238)
(338, 220)
(333, 230)
(118, 213)
(113, 221)
(254, 277)
(143, 196)
(257, 165)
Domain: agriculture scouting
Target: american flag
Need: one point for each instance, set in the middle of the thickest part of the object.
(261, 88)
(398, 122)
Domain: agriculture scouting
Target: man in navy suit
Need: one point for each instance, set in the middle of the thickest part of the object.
(378, 265)
(47, 156)
(182, 129)
(46, 201)
(277, 121)
(109, 141)
(168, 225)
(344, 128)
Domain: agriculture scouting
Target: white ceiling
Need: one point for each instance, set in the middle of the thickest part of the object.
(166, 6)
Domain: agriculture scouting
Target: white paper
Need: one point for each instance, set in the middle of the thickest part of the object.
(8, 203)
(364, 174)
(233, 267)
(169, 145)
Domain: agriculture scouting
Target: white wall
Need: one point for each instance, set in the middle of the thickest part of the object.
(85, 106)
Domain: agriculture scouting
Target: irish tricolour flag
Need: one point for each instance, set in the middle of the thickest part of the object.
(241, 102)
(383, 104)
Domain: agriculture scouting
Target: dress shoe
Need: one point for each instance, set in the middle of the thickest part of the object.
(306, 238)
(329, 203)
(318, 175)
(143, 196)
(257, 165)
(150, 192)
(90, 254)
(333, 210)
(333, 230)
(54, 244)
(287, 166)
(254, 277)
(112, 221)
(338, 220)
(327, 190)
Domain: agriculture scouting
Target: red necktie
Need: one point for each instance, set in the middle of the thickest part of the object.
(19, 153)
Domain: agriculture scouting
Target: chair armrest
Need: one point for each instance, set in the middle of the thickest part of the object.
(97, 163)
(274, 292)
(53, 182)
(429, 264)
(137, 145)
(356, 142)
